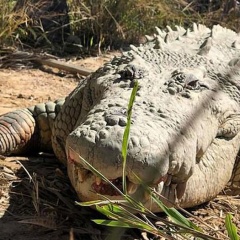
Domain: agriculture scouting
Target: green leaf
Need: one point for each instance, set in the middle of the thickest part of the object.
(176, 216)
(108, 210)
(114, 208)
(231, 227)
(119, 214)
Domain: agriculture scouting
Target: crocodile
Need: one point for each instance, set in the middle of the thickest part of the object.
(184, 137)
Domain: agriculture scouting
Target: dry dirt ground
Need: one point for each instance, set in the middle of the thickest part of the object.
(36, 199)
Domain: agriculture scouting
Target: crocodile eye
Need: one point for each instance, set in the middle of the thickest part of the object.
(131, 72)
(194, 84)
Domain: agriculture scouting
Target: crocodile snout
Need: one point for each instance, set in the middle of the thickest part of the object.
(89, 185)
(149, 160)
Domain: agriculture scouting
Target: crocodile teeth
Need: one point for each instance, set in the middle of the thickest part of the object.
(159, 187)
(172, 192)
(168, 180)
(98, 181)
(131, 187)
(169, 192)
(161, 179)
(181, 187)
(82, 174)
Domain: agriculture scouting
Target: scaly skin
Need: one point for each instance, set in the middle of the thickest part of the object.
(185, 125)
(28, 130)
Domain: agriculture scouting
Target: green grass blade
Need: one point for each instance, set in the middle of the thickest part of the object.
(231, 227)
(118, 213)
(173, 214)
(176, 216)
(89, 204)
(109, 211)
(126, 133)
(112, 223)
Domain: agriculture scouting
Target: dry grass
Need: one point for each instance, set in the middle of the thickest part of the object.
(115, 23)
(9, 23)
(43, 201)
(111, 24)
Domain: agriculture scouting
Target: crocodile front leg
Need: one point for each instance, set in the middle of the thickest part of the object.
(28, 130)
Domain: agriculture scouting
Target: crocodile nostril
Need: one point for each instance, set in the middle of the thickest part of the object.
(122, 122)
(111, 120)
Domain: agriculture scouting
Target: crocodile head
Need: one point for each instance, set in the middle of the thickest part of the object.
(184, 134)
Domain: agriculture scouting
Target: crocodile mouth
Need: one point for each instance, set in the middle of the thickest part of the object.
(89, 185)
(104, 188)
(98, 185)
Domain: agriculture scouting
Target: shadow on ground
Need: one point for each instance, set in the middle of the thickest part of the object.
(38, 202)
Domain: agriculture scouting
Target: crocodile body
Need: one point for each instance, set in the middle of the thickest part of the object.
(184, 135)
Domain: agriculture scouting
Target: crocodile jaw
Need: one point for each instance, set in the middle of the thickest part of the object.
(206, 182)
(89, 185)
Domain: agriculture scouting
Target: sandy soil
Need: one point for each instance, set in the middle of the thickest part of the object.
(23, 214)
(36, 199)
(22, 88)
